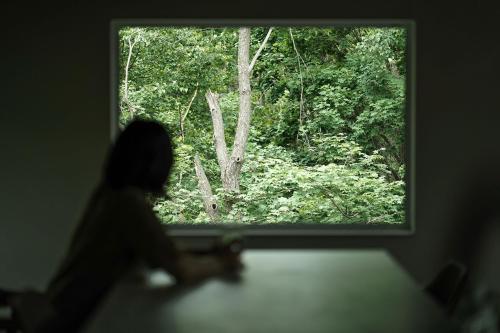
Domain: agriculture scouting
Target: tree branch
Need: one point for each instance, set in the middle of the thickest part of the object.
(301, 103)
(393, 67)
(390, 145)
(387, 154)
(261, 47)
(182, 117)
(209, 201)
(218, 127)
(189, 105)
(245, 112)
(125, 93)
(344, 211)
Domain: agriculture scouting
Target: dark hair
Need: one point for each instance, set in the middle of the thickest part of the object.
(141, 156)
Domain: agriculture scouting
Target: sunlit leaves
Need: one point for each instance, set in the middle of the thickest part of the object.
(340, 160)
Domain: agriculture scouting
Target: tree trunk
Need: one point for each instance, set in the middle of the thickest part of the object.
(211, 206)
(230, 166)
(231, 178)
(218, 128)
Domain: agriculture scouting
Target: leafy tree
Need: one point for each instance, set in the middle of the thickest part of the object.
(326, 108)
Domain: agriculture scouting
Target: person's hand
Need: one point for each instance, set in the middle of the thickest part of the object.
(229, 250)
(228, 244)
(231, 262)
(223, 259)
(193, 269)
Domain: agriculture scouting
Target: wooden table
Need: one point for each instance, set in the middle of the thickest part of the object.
(359, 291)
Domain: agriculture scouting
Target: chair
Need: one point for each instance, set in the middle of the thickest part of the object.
(27, 309)
(485, 266)
(479, 307)
(7, 324)
(448, 285)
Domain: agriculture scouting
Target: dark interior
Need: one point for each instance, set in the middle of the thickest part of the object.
(55, 123)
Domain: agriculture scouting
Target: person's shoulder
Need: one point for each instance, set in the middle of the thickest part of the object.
(131, 206)
(128, 197)
(130, 193)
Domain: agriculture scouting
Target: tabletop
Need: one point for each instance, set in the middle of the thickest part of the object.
(345, 291)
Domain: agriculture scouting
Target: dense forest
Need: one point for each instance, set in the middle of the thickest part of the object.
(273, 125)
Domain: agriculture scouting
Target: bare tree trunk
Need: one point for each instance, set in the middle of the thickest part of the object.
(230, 166)
(231, 180)
(211, 206)
(218, 127)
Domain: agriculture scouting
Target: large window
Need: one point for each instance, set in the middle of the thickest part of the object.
(276, 127)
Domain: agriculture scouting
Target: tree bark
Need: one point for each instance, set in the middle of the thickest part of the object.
(230, 166)
(233, 169)
(218, 128)
(211, 206)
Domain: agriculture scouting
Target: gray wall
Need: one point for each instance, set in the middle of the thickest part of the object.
(54, 125)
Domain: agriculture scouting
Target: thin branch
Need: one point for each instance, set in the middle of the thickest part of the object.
(130, 48)
(301, 104)
(393, 171)
(189, 105)
(257, 54)
(389, 144)
(342, 210)
(181, 125)
(393, 67)
(209, 201)
(179, 183)
(386, 156)
(376, 219)
(182, 117)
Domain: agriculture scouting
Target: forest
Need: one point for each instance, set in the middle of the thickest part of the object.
(273, 125)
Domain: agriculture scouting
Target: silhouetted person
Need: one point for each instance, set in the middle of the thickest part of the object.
(120, 229)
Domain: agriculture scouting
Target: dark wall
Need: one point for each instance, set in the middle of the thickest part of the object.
(54, 125)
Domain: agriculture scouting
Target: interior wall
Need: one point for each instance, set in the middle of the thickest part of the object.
(54, 121)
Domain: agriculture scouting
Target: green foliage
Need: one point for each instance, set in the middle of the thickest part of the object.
(338, 159)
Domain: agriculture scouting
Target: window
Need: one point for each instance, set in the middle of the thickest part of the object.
(279, 127)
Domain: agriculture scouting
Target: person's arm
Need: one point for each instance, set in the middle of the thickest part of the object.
(149, 242)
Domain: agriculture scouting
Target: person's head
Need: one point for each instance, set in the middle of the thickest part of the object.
(141, 156)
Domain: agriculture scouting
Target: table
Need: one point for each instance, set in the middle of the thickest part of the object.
(306, 291)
